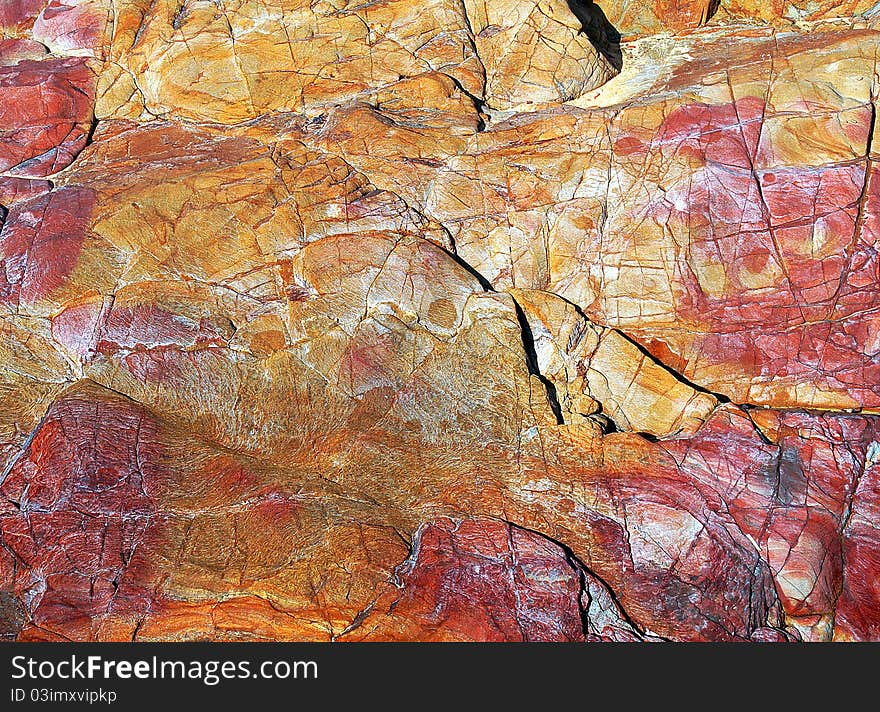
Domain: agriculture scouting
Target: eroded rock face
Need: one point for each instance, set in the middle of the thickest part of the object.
(636, 19)
(444, 321)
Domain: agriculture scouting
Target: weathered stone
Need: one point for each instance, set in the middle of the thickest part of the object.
(444, 321)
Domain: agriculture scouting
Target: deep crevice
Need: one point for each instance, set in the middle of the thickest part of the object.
(710, 11)
(90, 134)
(606, 422)
(602, 34)
(528, 341)
(651, 357)
(484, 283)
(681, 377)
(479, 104)
(647, 354)
(577, 564)
(747, 408)
(25, 446)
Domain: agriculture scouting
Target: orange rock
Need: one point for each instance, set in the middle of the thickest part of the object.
(443, 321)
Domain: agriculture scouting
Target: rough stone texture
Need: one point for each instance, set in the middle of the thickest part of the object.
(544, 321)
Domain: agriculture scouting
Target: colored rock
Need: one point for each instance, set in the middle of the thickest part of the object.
(537, 321)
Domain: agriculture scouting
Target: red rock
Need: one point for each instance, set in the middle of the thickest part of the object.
(13, 51)
(41, 240)
(13, 190)
(81, 511)
(668, 547)
(72, 26)
(859, 595)
(484, 580)
(20, 14)
(791, 497)
(44, 120)
(438, 323)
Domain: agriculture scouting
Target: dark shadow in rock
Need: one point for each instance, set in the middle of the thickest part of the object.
(601, 33)
(711, 9)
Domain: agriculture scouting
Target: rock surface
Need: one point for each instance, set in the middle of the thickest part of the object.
(548, 320)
